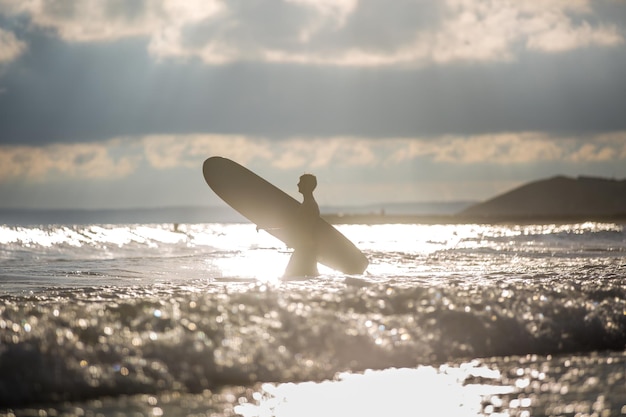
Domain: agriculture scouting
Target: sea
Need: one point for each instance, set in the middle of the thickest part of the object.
(193, 319)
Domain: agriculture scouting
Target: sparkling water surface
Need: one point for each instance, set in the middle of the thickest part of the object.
(501, 320)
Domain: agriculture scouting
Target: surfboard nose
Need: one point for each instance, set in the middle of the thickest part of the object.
(211, 169)
(208, 163)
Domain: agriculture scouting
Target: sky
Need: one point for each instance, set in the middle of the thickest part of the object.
(116, 104)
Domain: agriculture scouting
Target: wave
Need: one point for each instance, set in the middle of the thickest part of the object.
(109, 241)
(122, 241)
(84, 343)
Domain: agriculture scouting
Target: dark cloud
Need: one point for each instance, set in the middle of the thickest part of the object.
(80, 92)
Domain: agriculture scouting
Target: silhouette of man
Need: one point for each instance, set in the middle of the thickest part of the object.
(303, 260)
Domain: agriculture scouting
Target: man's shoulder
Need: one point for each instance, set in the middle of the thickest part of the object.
(310, 206)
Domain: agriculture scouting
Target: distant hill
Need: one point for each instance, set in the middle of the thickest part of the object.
(557, 197)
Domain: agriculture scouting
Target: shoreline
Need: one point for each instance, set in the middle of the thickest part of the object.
(41, 217)
(373, 219)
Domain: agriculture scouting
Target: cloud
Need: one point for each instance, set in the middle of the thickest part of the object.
(506, 148)
(492, 30)
(171, 151)
(121, 157)
(10, 47)
(593, 153)
(604, 148)
(164, 170)
(109, 20)
(117, 90)
(615, 140)
(345, 33)
(323, 152)
(558, 35)
(464, 30)
(514, 148)
(83, 160)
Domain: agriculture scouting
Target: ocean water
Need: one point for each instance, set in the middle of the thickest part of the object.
(194, 319)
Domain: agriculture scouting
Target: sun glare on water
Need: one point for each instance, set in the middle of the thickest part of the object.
(262, 265)
(399, 392)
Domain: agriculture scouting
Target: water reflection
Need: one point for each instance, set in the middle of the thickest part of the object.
(444, 391)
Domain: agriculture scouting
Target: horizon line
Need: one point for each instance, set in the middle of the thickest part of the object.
(225, 205)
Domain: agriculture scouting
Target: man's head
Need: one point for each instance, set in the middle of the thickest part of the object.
(307, 183)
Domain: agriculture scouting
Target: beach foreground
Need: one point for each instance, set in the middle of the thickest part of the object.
(459, 320)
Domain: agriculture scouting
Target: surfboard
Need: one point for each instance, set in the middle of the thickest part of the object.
(275, 211)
